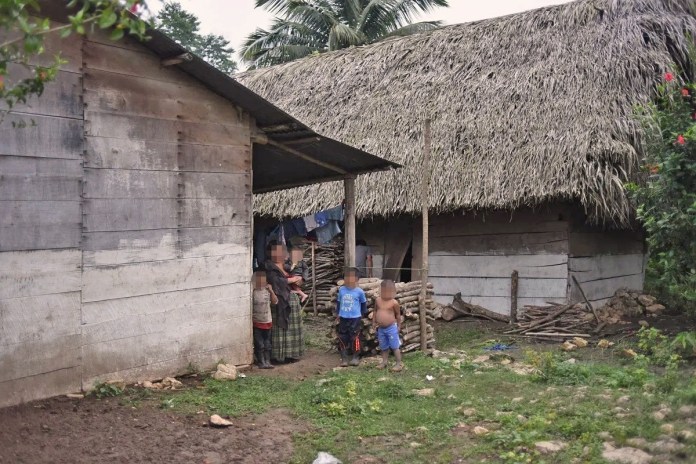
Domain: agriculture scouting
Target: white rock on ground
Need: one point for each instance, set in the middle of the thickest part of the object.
(478, 430)
(687, 411)
(666, 445)
(425, 392)
(171, 382)
(326, 458)
(75, 396)
(218, 421)
(625, 455)
(225, 372)
(549, 447)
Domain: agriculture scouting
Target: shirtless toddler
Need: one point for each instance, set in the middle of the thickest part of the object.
(387, 320)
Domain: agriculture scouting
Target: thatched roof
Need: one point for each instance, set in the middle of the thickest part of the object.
(526, 108)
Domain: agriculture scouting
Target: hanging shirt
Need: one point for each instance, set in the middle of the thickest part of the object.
(350, 301)
(327, 232)
(310, 223)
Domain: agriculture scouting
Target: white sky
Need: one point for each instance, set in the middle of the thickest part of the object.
(235, 19)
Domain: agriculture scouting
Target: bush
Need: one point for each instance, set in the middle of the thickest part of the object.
(666, 198)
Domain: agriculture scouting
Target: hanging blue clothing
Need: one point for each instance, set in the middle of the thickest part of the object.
(294, 228)
(333, 214)
(327, 232)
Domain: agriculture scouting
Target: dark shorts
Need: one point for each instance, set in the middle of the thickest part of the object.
(349, 333)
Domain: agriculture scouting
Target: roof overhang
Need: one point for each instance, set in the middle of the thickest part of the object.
(274, 166)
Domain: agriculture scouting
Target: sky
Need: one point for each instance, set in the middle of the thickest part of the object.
(235, 19)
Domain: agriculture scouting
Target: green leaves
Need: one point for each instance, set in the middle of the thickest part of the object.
(21, 20)
(307, 27)
(665, 200)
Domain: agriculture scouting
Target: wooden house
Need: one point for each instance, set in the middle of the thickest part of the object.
(533, 140)
(126, 213)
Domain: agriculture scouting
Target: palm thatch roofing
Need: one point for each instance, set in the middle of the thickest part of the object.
(526, 108)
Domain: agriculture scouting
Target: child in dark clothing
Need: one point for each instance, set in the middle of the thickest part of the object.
(296, 267)
(351, 306)
(263, 298)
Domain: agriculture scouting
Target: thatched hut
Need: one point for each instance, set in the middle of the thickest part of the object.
(533, 141)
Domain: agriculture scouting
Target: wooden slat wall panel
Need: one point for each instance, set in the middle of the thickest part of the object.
(166, 275)
(601, 275)
(58, 98)
(140, 154)
(45, 137)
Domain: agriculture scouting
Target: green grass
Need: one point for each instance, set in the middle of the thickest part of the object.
(365, 411)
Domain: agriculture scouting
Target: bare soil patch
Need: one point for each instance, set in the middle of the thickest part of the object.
(90, 430)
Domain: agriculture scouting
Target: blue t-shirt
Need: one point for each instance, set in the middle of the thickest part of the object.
(350, 300)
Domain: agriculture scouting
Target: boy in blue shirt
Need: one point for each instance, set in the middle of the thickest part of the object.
(351, 306)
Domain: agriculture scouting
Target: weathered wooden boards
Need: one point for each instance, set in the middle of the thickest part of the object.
(40, 217)
(167, 206)
(125, 212)
(601, 275)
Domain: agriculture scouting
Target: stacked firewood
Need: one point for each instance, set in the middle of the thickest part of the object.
(407, 294)
(328, 262)
(555, 322)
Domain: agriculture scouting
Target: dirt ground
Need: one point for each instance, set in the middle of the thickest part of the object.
(63, 430)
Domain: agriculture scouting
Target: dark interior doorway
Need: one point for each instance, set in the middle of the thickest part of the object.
(405, 274)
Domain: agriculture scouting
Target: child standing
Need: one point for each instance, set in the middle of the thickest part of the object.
(263, 298)
(387, 321)
(296, 267)
(351, 306)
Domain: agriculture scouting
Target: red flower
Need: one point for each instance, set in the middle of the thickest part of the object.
(685, 92)
(669, 77)
(680, 139)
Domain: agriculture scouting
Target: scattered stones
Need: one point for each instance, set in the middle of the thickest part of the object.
(75, 396)
(120, 384)
(519, 399)
(571, 361)
(468, 412)
(217, 421)
(629, 353)
(667, 428)
(624, 400)
(604, 344)
(549, 447)
(687, 411)
(479, 430)
(414, 444)
(148, 384)
(605, 435)
(425, 392)
(654, 309)
(225, 372)
(567, 346)
(647, 300)
(580, 342)
(643, 323)
(626, 455)
(521, 419)
(481, 359)
(326, 458)
(659, 416)
(637, 442)
(171, 383)
(685, 435)
(666, 445)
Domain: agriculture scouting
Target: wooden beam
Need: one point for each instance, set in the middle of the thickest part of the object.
(514, 284)
(305, 157)
(314, 280)
(425, 187)
(349, 221)
(176, 59)
(302, 140)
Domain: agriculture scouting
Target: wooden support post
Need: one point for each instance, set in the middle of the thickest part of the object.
(314, 281)
(349, 221)
(514, 284)
(424, 236)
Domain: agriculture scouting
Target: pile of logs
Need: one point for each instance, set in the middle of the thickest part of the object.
(556, 322)
(407, 294)
(328, 262)
(460, 308)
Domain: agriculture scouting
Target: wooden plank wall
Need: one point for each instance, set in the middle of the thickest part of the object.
(40, 221)
(475, 255)
(604, 261)
(167, 218)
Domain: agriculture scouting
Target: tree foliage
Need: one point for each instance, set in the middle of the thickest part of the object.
(23, 30)
(305, 27)
(184, 27)
(666, 201)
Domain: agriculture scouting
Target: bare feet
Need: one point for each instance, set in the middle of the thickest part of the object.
(398, 368)
(344, 363)
(381, 366)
